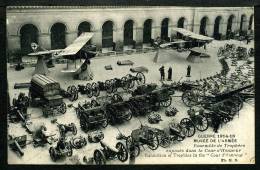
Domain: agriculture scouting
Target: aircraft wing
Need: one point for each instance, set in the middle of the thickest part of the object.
(172, 43)
(44, 52)
(193, 35)
(77, 44)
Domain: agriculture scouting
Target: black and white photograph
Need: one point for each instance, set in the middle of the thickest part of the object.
(130, 85)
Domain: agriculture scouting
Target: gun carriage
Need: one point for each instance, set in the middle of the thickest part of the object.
(63, 149)
(17, 143)
(111, 86)
(108, 152)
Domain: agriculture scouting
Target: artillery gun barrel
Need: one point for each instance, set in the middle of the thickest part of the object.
(21, 116)
(17, 148)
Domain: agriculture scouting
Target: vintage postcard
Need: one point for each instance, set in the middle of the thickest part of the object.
(130, 85)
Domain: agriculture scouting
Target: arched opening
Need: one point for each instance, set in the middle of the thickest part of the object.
(203, 25)
(182, 23)
(243, 28)
(128, 33)
(250, 22)
(107, 34)
(229, 26)
(164, 29)
(217, 33)
(147, 31)
(58, 33)
(84, 27)
(28, 34)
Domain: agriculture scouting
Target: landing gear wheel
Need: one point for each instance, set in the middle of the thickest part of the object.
(62, 108)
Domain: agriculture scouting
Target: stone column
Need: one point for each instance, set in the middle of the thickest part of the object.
(156, 31)
(139, 37)
(119, 39)
(70, 37)
(97, 39)
(13, 42)
(45, 40)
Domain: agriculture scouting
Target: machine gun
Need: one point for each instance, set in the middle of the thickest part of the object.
(17, 143)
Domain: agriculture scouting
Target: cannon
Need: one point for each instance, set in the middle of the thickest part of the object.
(95, 136)
(63, 149)
(16, 115)
(17, 143)
(22, 101)
(197, 120)
(109, 152)
(145, 135)
(111, 86)
(65, 128)
(46, 93)
(40, 138)
(71, 93)
(175, 132)
(129, 144)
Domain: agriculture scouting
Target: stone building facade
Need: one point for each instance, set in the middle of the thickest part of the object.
(119, 27)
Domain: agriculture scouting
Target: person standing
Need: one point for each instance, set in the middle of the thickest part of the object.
(161, 69)
(170, 74)
(188, 71)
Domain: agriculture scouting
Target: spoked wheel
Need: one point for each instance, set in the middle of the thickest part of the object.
(201, 123)
(128, 115)
(164, 140)
(190, 97)
(109, 86)
(130, 80)
(74, 129)
(125, 84)
(167, 102)
(73, 93)
(179, 131)
(95, 89)
(129, 143)
(188, 126)
(122, 154)
(140, 78)
(94, 103)
(116, 98)
(53, 154)
(62, 108)
(154, 142)
(70, 151)
(105, 122)
(88, 90)
(99, 157)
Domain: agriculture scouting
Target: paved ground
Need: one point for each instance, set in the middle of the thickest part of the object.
(242, 126)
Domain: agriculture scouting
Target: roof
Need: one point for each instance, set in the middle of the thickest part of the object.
(192, 34)
(77, 44)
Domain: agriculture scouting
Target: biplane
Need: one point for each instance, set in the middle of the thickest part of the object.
(77, 55)
(189, 41)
